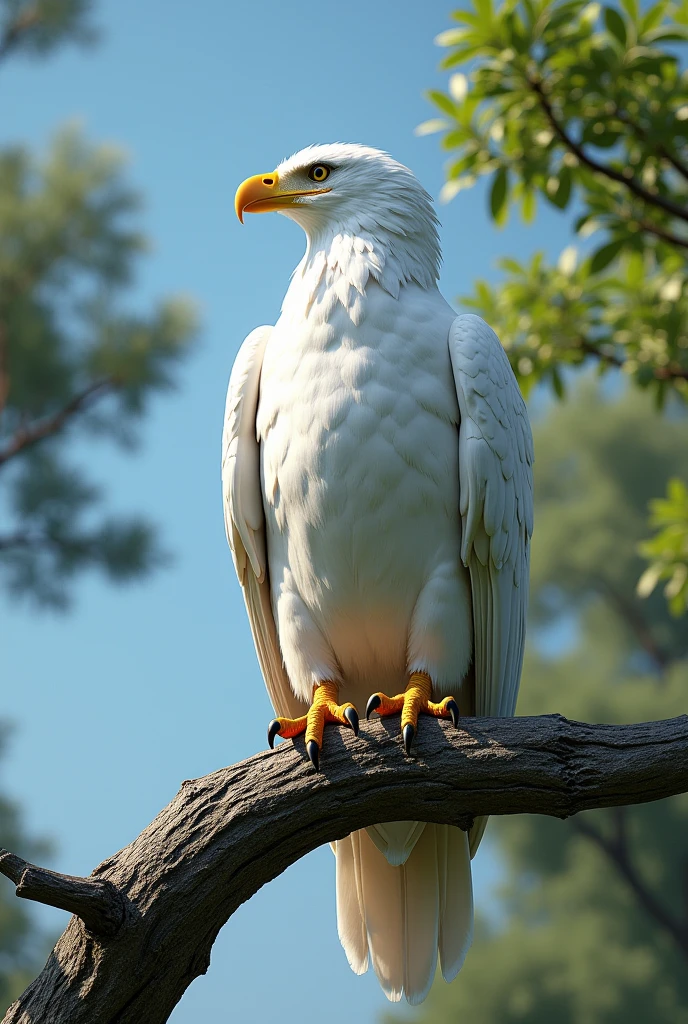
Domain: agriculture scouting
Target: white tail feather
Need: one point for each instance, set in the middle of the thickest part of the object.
(350, 924)
(403, 916)
(396, 839)
(456, 914)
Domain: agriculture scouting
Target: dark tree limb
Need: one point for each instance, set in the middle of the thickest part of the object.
(662, 150)
(672, 371)
(631, 183)
(16, 29)
(25, 539)
(225, 836)
(666, 236)
(31, 434)
(633, 618)
(97, 902)
(4, 369)
(616, 850)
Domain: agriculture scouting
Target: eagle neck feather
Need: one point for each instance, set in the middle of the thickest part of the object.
(338, 265)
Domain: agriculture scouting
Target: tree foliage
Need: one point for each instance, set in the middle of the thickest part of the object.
(668, 549)
(74, 360)
(36, 27)
(593, 923)
(584, 107)
(77, 365)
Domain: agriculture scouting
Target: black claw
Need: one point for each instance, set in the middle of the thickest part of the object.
(373, 704)
(313, 752)
(351, 715)
(409, 733)
(453, 709)
(273, 730)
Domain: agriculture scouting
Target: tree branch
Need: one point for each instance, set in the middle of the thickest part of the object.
(634, 186)
(24, 539)
(669, 372)
(31, 434)
(662, 150)
(666, 236)
(634, 620)
(616, 850)
(225, 836)
(98, 903)
(4, 369)
(14, 31)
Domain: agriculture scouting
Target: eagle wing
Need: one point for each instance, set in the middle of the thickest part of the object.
(496, 505)
(245, 519)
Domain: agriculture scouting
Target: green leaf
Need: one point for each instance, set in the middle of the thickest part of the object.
(557, 383)
(631, 9)
(615, 24)
(653, 17)
(635, 270)
(513, 266)
(442, 101)
(452, 36)
(561, 197)
(435, 124)
(529, 206)
(675, 34)
(484, 10)
(498, 193)
(604, 256)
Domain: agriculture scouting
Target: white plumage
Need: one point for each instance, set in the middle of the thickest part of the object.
(377, 479)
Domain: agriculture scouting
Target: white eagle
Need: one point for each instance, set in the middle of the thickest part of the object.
(377, 481)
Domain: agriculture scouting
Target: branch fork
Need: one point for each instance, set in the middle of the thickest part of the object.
(98, 903)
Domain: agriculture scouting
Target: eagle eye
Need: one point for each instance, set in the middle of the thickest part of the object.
(318, 172)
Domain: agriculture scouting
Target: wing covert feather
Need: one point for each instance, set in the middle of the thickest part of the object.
(245, 519)
(496, 505)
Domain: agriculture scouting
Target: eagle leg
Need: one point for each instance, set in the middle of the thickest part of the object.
(325, 708)
(414, 700)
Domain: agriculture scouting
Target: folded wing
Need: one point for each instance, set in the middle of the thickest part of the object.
(496, 495)
(245, 518)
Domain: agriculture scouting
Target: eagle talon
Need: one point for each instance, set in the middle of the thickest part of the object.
(313, 751)
(273, 730)
(325, 708)
(453, 708)
(414, 700)
(351, 715)
(373, 704)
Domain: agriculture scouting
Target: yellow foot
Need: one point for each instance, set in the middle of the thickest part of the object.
(323, 709)
(414, 700)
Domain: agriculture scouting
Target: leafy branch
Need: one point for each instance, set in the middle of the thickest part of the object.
(624, 177)
(70, 357)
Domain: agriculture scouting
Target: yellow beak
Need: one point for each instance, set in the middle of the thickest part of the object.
(261, 193)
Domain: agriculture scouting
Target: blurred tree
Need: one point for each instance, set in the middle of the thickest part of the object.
(586, 107)
(73, 362)
(74, 365)
(595, 909)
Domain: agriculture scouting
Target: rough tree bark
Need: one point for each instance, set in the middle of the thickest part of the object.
(226, 835)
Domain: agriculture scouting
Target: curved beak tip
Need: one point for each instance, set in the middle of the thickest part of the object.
(254, 191)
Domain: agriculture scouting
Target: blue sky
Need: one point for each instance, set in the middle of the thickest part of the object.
(141, 688)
